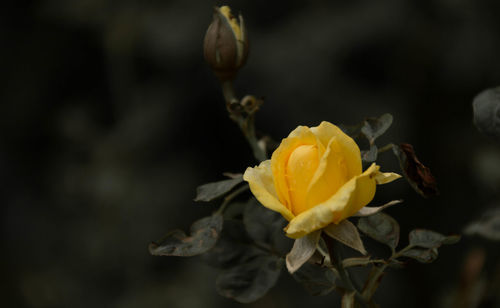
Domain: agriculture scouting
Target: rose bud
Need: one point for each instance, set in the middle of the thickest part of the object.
(226, 45)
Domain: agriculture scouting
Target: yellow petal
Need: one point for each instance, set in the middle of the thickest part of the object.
(300, 169)
(386, 177)
(233, 22)
(326, 131)
(364, 193)
(261, 184)
(351, 197)
(302, 135)
(331, 174)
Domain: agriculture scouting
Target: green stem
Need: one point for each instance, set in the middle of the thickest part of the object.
(386, 148)
(244, 121)
(376, 274)
(335, 251)
(373, 280)
(230, 198)
(228, 92)
(248, 130)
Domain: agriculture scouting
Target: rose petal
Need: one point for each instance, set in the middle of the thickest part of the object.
(351, 197)
(300, 169)
(326, 131)
(386, 177)
(302, 135)
(331, 174)
(260, 179)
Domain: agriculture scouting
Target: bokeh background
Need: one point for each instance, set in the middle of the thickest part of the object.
(109, 119)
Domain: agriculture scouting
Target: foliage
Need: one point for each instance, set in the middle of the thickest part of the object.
(247, 243)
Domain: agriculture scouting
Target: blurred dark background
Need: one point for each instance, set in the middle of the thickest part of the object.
(109, 119)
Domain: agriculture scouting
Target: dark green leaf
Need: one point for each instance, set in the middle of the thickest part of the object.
(211, 191)
(486, 107)
(248, 272)
(430, 239)
(382, 228)
(260, 222)
(302, 250)
(225, 254)
(353, 131)
(418, 175)
(370, 155)
(346, 233)
(316, 280)
(232, 175)
(376, 127)
(422, 255)
(234, 209)
(452, 239)
(372, 210)
(234, 246)
(266, 226)
(249, 281)
(204, 235)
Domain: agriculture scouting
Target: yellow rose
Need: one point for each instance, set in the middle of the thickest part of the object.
(315, 178)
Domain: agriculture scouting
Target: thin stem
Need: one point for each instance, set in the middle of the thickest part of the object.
(248, 130)
(334, 249)
(376, 274)
(386, 148)
(400, 253)
(245, 121)
(230, 198)
(376, 261)
(228, 92)
(342, 269)
(373, 280)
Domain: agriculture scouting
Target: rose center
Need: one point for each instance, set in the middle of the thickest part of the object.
(300, 169)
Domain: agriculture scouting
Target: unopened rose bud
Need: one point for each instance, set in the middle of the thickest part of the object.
(226, 45)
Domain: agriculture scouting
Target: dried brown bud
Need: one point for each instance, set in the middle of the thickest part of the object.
(418, 175)
(226, 45)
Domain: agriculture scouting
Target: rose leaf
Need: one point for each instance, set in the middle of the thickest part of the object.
(382, 228)
(265, 226)
(204, 235)
(302, 250)
(210, 191)
(372, 210)
(370, 155)
(317, 280)
(346, 233)
(422, 255)
(247, 282)
(376, 127)
(430, 239)
(233, 246)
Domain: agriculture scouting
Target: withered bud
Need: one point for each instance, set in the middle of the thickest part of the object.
(418, 175)
(226, 45)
